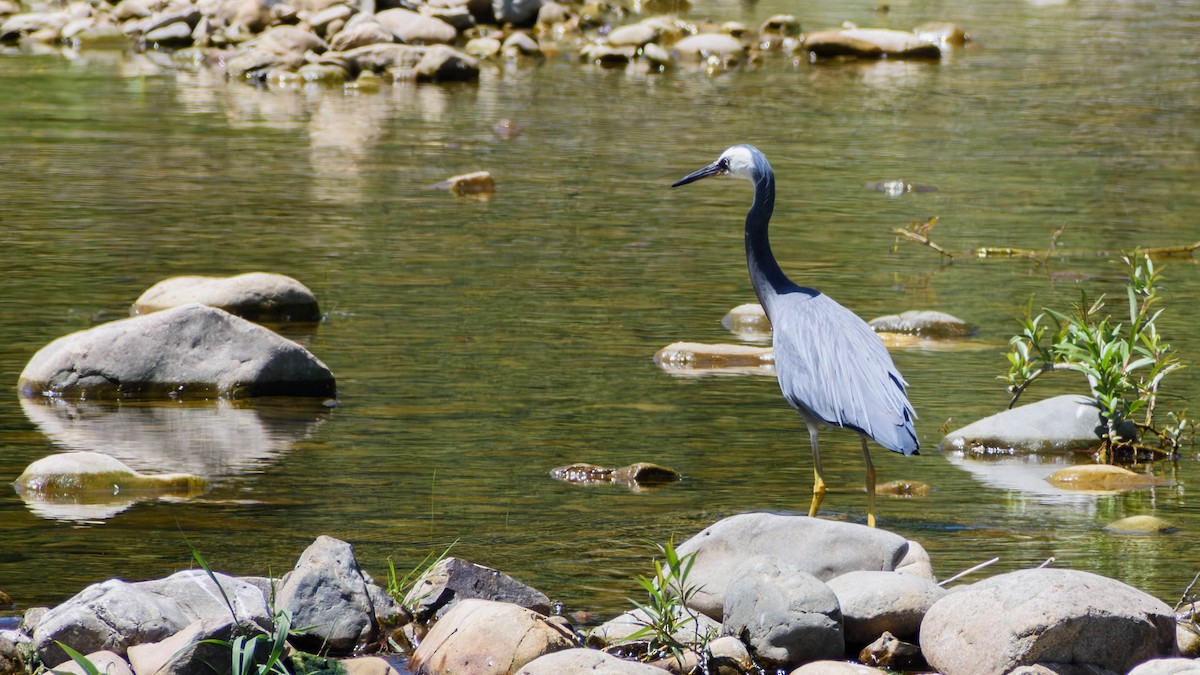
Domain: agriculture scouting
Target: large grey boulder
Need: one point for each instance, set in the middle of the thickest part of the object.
(1059, 424)
(481, 637)
(877, 602)
(330, 598)
(823, 548)
(257, 296)
(1047, 617)
(591, 661)
(191, 350)
(453, 580)
(786, 615)
(116, 614)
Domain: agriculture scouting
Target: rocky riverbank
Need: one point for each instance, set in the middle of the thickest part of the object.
(782, 593)
(366, 43)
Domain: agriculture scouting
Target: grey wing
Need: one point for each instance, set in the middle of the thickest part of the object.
(831, 363)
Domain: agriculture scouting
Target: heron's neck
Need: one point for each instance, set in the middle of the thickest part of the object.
(768, 279)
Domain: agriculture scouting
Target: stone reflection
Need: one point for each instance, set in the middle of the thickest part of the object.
(1027, 474)
(212, 441)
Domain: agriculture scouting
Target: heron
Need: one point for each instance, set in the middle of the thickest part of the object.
(832, 367)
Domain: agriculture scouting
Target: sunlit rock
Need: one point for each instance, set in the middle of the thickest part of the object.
(697, 48)
(326, 74)
(453, 580)
(95, 34)
(749, 320)
(483, 47)
(694, 356)
(189, 351)
(13, 28)
(1187, 633)
(382, 57)
(578, 660)
(440, 63)
(641, 474)
(836, 668)
(1141, 525)
(551, 13)
(656, 55)
(482, 632)
(904, 488)
(360, 34)
(171, 35)
(1046, 616)
(899, 186)
(892, 653)
(1168, 666)
(1060, 424)
(478, 182)
(72, 474)
(869, 43)
(609, 56)
(256, 296)
(415, 28)
(941, 32)
(874, 603)
(624, 628)
(925, 323)
(785, 614)
(1101, 477)
(136, 9)
(781, 25)
(633, 35)
(105, 662)
(330, 598)
(520, 44)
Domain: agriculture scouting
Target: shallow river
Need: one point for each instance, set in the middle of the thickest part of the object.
(478, 344)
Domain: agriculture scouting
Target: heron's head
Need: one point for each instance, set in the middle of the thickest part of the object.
(740, 161)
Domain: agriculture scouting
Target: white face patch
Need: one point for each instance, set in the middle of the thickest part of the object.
(739, 162)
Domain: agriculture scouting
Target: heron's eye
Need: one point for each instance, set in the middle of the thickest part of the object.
(723, 164)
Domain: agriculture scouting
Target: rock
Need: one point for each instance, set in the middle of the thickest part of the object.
(482, 637)
(1187, 638)
(516, 12)
(904, 488)
(780, 25)
(414, 28)
(1175, 666)
(98, 35)
(378, 58)
(916, 563)
(1101, 477)
(591, 661)
(483, 48)
(14, 27)
(453, 580)
(786, 615)
(443, 64)
(191, 650)
(1141, 525)
(695, 48)
(15, 646)
(897, 187)
(687, 356)
(836, 668)
(135, 9)
(359, 35)
(192, 350)
(924, 323)
(171, 35)
(478, 182)
(1045, 616)
(334, 15)
(326, 74)
(874, 603)
(328, 596)
(368, 665)
(1060, 424)
(749, 318)
(115, 614)
(633, 35)
(823, 548)
(635, 475)
(551, 13)
(256, 296)
(75, 475)
(520, 44)
(941, 32)
(250, 17)
(105, 661)
(657, 56)
(691, 628)
(608, 56)
(869, 43)
(289, 41)
(892, 653)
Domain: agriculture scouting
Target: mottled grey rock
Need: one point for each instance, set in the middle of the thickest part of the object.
(482, 637)
(591, 661)
(189, 350)
(1045, 616)
(327, 594)
(453, 580)
(116, 614)
(786, 615)
(877, 602)
(823, 548)
(1059, 424)
(257, 296)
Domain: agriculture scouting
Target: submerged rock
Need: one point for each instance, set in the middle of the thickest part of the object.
(1101, 477)
(1141, 525)
(256, 296)
(635, 475)
(1059, 424)
(904, 488)
(476, 183)
(749, 319)
(694, 356)
(77, 474)
(1046, 616)
(924, 323)
(192, 350)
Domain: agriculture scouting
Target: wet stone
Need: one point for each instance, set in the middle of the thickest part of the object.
(869, 43)
(1141, 525)
(478, 182)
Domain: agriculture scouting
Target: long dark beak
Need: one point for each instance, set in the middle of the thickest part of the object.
(713, 169)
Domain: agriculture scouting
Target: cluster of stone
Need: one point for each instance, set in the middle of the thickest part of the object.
(781, 593)
(369, 42)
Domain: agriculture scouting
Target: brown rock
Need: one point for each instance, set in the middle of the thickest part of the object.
(481, 637)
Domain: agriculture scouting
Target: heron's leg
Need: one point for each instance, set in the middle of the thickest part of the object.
(818, 481)
(870, 484)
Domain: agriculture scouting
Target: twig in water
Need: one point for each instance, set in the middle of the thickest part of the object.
(965, 572)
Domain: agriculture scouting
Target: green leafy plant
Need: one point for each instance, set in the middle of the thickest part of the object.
(668, 618)
(1124, 363)
(84, 662)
